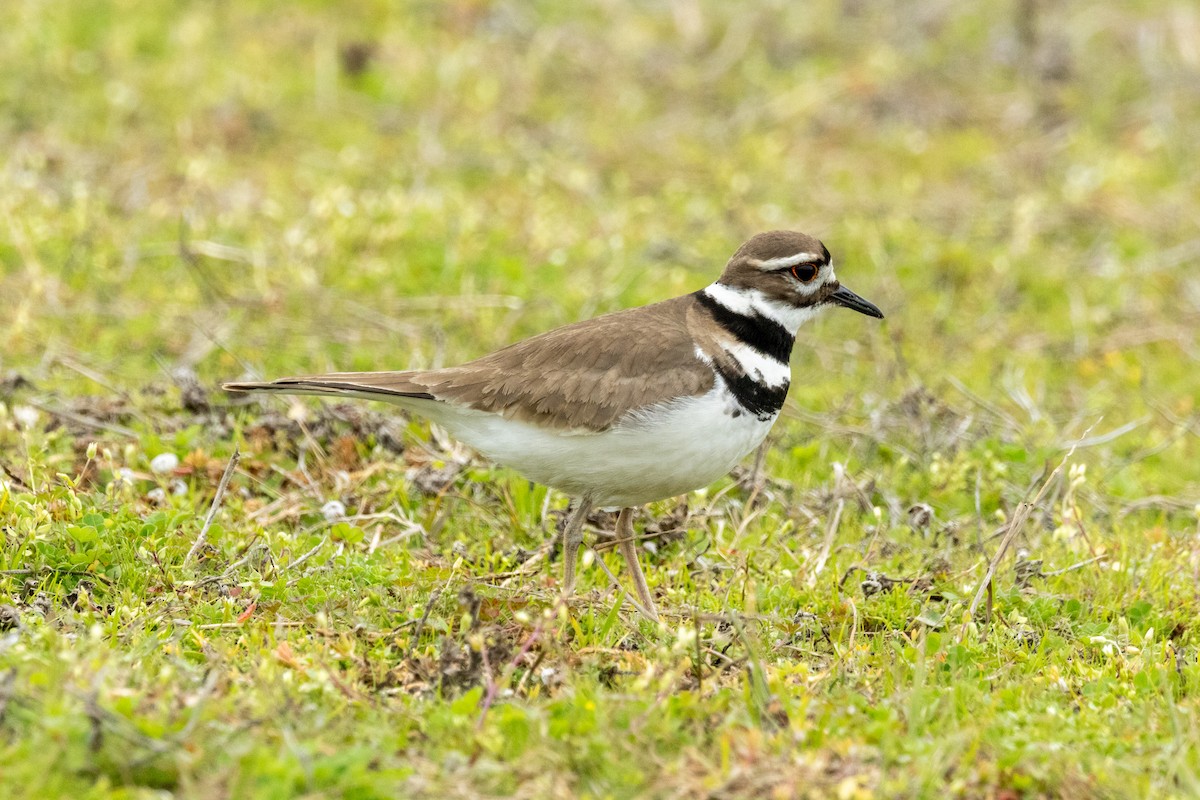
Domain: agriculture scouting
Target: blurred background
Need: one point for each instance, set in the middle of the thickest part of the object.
(258, 188)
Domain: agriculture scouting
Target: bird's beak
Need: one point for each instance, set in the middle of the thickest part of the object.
(848, 299)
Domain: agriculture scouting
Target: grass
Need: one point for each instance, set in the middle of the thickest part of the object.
(198, 192)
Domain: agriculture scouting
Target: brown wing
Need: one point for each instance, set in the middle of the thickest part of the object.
(581, 376)
(586, 375)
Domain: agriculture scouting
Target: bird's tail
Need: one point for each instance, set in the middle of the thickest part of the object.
(402, 388)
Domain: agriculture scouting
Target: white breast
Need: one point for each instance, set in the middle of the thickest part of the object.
(659, 452)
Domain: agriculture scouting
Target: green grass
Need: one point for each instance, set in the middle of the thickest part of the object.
(198, 192)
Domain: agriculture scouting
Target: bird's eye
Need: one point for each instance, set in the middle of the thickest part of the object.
(805, 273)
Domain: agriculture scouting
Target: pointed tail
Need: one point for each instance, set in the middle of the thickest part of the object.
(390, 387)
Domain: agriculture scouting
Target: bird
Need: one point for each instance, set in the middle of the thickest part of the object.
(630, 407)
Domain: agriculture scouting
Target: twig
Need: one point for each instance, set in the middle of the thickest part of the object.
(609, 544)
(1024, 508)
(995, 410)
(827, 545)
(87, 372)
(1105, 438)
(617, 585)
(85, 421)
(216, 503)
(1157, 501)
(853, 626)
(216, 626)
(433, 598)
(251, 552)
(529, 565)
(1014, 528)
(1072, 568)
(305, 557)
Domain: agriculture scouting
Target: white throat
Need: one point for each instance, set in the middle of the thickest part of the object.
(751, 301)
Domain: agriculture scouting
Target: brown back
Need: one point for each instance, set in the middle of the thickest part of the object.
(585, 375)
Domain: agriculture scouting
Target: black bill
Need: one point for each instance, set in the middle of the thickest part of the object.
(848, 299)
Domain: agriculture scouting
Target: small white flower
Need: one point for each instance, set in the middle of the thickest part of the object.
(156, 496)
(124, 477)
(163, 463)
(178, 488)
(25, 416)
(333, 510)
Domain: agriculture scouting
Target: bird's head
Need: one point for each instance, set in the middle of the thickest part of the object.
(791, 269)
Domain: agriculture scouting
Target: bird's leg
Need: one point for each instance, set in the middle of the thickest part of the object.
(572, 537)
(627, 540)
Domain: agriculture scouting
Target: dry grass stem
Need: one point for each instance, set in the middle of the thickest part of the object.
(216, 504)
(1024, 509)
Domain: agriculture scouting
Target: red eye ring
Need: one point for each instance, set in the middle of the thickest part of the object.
(805, 273)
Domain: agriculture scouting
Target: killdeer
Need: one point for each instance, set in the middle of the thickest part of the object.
(630, 407)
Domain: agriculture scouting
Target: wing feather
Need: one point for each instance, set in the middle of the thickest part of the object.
(582, 376)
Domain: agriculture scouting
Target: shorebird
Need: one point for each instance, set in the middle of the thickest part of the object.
(631, 407)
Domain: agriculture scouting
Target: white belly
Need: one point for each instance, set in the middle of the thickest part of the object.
(661, 452)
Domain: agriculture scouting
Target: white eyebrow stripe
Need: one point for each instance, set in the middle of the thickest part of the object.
(788, 261)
